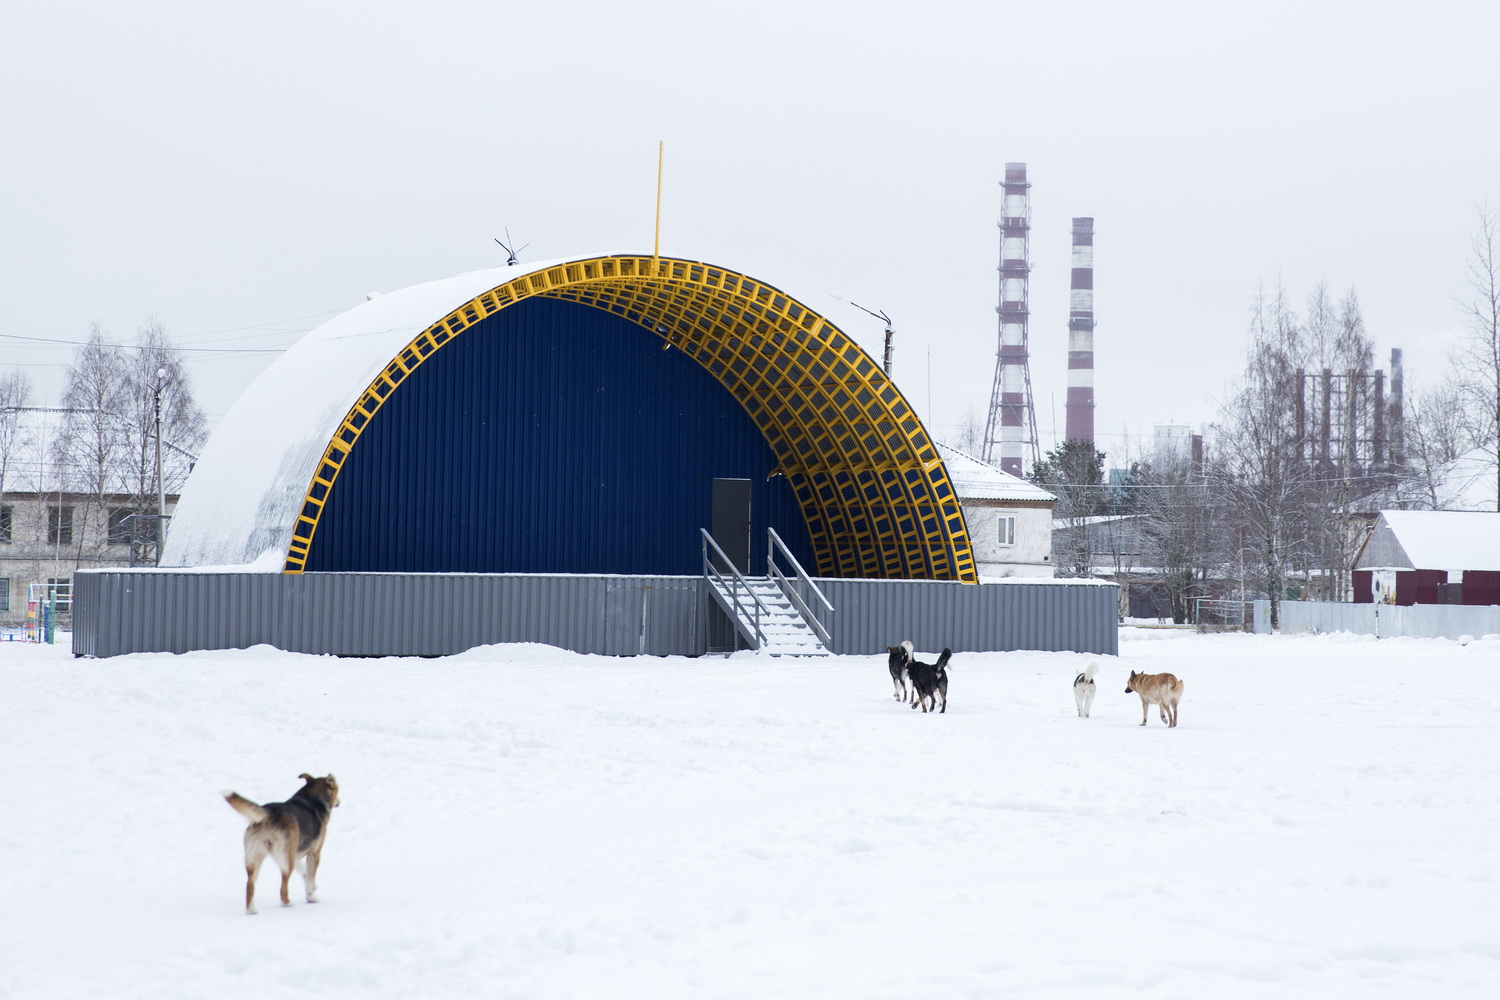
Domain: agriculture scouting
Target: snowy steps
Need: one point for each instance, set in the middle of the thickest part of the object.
(786, 632)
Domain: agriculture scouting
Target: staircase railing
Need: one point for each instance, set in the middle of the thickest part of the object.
(814, 620)
(731, 590)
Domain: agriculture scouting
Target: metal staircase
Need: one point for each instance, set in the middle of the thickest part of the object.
(775, 613)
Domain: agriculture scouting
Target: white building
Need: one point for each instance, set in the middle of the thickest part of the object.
(46, 537)
(1009, 519)
(49, 529)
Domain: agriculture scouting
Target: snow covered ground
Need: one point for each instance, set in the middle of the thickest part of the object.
(522, 822)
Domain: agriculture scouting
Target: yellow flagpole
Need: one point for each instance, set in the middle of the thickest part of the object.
(656, 252)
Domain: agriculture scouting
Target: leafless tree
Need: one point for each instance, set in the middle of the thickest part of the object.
(969, 436)
(1478, 361)
(1262, 477)
(1438, 430)
(87, 452)
(1181, 527)
(15, 394)
(153, 366)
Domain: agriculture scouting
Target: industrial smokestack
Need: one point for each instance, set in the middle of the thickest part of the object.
(1011, 424)
(1080, 423)
(1397, 427)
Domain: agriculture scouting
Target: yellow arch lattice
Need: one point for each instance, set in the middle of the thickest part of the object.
(874, 492)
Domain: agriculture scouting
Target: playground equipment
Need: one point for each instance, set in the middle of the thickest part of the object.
(42, 600)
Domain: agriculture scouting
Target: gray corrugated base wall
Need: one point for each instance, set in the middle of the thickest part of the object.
(1388, 621)
(870, 615)
(433, 614)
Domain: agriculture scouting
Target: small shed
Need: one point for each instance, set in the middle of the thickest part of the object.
(1430, 557)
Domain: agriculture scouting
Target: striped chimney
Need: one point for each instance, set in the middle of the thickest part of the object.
(1080, 424)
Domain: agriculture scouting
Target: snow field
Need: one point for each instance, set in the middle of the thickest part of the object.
(519, 821)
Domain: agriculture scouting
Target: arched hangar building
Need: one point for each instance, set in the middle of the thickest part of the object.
(564, 422)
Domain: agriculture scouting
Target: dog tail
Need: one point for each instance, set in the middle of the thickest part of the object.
(906, 645)
(1088, 674)
(943, 657)
(244, 806)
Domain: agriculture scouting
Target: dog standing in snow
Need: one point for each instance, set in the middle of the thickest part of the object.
(290, 832)
(1162, 690)
(929, 680)
(899, 657)
(1083, 690)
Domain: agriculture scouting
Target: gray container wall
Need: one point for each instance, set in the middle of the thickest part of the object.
(1389, 621)
(870, 615)
(392, 614)
(378, 614)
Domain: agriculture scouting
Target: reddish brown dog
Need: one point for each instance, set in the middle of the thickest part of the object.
(1162, 690)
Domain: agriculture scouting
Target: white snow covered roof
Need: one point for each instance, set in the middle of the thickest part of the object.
(974, 479)
(1433, 539)
(243, 496)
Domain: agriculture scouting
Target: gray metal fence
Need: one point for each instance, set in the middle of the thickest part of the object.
(389, 614)
(1388, 621)
(873, 614)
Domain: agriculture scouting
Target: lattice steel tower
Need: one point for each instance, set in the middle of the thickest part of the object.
(1010, 431)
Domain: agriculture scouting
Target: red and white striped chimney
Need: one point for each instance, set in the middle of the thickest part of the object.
(1080, 424)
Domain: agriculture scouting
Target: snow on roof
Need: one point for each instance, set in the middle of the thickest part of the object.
(243, 496)
(974, 479)
(1433, 539)
(1062, 523)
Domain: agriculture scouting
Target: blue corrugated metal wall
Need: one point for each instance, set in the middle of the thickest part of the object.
(550, 438)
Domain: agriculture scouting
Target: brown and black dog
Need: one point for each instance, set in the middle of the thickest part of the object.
(290, 832)
(929, 681)
(1162, 690)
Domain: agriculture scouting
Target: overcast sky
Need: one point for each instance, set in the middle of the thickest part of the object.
(241, 172)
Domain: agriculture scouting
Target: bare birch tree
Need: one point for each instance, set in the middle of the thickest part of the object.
(1437, 432)
(15, 394)
(1261, 476)
(1182, 528)
(153, 366)
(1478, 360)
(89, 449)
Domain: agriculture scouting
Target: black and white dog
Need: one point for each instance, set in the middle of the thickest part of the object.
(1083, 690)
(900, 656)
(929, 680)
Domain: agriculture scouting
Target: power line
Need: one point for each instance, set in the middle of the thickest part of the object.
(147, 298)
(141, 347)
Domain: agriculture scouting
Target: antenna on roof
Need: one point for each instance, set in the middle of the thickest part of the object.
(511, 260)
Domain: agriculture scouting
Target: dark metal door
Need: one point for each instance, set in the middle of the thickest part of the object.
(731, 520)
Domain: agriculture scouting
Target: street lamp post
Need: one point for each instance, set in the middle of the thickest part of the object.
(161, 496)
(890, 334)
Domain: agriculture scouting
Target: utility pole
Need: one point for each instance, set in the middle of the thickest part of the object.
(161, 496)
(890, 333)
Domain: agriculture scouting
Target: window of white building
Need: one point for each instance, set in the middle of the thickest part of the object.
(1007, 529)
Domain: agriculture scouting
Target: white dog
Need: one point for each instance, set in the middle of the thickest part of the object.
(1083, 690)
